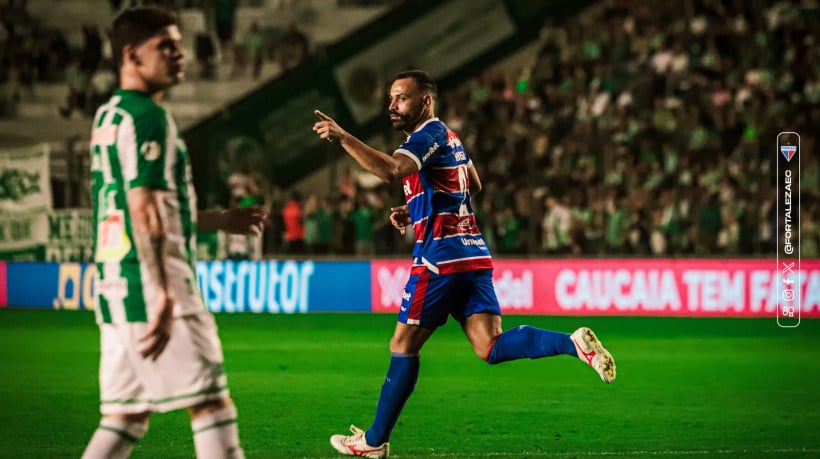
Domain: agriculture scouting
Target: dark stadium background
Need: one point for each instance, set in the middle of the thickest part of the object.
(609, 135)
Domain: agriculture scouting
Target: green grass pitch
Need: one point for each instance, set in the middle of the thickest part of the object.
(685, 388)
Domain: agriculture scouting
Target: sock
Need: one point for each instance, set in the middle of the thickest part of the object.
(398, 385)
(216, 435)
(114, 439)
(526, 341)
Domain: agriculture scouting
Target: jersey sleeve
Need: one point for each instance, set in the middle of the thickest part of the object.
(420, 147)
(142, 151)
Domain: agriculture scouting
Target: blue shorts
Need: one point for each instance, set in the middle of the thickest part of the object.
(429, 298)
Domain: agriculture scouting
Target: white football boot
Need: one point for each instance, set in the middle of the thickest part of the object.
(356, 445)
(591, 351)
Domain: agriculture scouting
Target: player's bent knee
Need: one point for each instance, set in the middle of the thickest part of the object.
(405, 344)
(133, 418)
(209, 406)
(481, 352)
(484, 350)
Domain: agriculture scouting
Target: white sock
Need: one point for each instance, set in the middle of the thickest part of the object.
(114, 439)
(216, 435)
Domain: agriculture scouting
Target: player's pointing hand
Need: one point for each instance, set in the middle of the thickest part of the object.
(327, 128)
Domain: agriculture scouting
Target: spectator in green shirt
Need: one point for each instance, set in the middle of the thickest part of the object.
(364, 220)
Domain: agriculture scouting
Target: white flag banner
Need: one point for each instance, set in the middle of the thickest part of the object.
(23, 235)
(25, 180)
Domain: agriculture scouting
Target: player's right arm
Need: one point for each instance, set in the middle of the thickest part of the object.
(142, 145)
(147, 210)
(390, 168)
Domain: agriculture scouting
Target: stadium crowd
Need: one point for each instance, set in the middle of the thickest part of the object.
(32, 53)
(648, 129)
(639, 129)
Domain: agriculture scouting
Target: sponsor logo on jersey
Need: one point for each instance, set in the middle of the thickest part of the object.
(112, 240)
(113, 289)
(105, 135)
(430, 152)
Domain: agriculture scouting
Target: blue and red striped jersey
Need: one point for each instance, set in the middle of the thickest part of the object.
(438, 199)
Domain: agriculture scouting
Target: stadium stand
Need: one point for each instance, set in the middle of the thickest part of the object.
(52, 76)
(629, 129)
(637, 139)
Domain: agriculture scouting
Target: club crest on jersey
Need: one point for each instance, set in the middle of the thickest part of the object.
(452, 139)
(150, 150)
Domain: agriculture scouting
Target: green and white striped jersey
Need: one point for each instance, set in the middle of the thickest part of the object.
(135, 143)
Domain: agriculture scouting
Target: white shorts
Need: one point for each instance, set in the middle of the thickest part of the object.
(188, 372)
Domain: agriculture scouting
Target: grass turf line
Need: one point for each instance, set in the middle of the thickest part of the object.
(685, 388)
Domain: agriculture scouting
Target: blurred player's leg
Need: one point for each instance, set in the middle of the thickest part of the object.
(216, 435)
(114, 438)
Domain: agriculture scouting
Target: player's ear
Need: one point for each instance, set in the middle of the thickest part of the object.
(427, 100)
(129, 53)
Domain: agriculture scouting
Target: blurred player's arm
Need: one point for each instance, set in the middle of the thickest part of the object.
(475, 181)
(147, 210)
(239, 220)
(389, 168)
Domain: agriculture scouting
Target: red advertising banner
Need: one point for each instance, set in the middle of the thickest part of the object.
(645, 287)
(4, 297)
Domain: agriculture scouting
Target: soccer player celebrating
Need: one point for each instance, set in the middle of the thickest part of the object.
(452, 266)
(159, 345)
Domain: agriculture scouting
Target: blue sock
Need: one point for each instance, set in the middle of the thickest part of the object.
(398, 385)
(526, 341)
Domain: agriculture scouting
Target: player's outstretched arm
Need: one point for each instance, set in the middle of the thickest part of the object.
(238, 220)
(386, 167)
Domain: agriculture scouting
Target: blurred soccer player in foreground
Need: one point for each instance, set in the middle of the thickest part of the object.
(452, 266)
(159, 345)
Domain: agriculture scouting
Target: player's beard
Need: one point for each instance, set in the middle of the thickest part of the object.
(399, 122)
(403, 122)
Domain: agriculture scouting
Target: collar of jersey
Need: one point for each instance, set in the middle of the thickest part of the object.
(435, 118)
(130, 92)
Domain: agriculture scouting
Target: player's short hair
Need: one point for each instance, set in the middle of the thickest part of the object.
(424, 81)
(136, 25)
